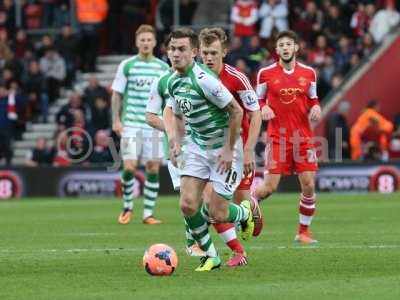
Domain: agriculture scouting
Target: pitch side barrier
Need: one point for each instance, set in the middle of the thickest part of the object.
(18, 182)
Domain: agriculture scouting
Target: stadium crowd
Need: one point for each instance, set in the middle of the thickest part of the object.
(335, 37)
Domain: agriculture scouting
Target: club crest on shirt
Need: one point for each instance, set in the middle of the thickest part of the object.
(276, 81)
(185, 105)
(302, 81)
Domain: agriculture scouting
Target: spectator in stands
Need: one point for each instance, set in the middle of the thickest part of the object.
(369, 136)
(384, 20)
(323, 85)
(9, 8)
(256, 54)
(236, 51)
(273, 14)
(359, 21)
(41, 155)
(8, 116)
(328, 69)
(80, 137)
(67, 45)
(338, 132)
(43, 44)
(32, 15)
(343, 54)
(333, 26)
(244, 15)
(61, 158)
(318, 54)
(52, 65)
(309, 22)
(366, 46)
(21, 43)
(34, 86)
(90, 15)
(101, 152)
(6, 54)
(65, 117)
(100, 114)
(336, 81)
(94, 90)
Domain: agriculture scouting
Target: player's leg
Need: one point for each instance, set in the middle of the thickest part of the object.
(277, 160)
(306, 207)
(127, 183)
(243, 193)
(227, 232)
(190, 201)
(151, 188)
(267, 187)
(130, 149)
(221, 210)
(152, 154)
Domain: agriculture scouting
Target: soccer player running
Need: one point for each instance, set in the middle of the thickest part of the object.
(131, 88)
(214, 152)
(288, 96)
(213, 49)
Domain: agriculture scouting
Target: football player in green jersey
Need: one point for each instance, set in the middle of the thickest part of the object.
(131, 87)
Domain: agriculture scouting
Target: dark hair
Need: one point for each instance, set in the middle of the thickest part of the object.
(372, 103)
(289, 34)
(210, 35)
(184, 32)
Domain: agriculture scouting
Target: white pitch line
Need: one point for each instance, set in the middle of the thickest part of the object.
(299, 247)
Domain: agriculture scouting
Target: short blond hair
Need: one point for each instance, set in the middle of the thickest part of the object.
(208, 36)
(145, 28)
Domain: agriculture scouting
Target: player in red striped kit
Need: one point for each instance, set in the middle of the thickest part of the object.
(213, 48)
(288, 97)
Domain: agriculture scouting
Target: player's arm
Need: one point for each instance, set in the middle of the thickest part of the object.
(235, 119)
(153, 107)
(173, 127)
(118, 88)
(250, 103)
(315, 111)
(171, 124)
(116, 107)
(266, 111)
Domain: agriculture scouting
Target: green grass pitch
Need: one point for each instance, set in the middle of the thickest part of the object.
(74, 249)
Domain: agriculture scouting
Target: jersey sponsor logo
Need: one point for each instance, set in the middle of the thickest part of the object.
(289, 95)
(140, 82)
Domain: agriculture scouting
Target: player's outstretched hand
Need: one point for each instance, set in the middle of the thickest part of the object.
(117, 127)
(249, 162)
(174, 151)
(267, 113)
(315, 113)
(225, 160)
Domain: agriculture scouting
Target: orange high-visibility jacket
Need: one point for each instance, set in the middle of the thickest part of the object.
(91, 11)
(362, 124)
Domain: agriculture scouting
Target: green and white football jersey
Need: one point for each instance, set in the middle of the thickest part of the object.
(201, 98)
(159, 96)
(133, 80)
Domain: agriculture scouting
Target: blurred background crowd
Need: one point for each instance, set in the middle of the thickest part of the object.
(46, 46)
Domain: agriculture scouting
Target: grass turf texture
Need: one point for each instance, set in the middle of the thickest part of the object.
(74, 249)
